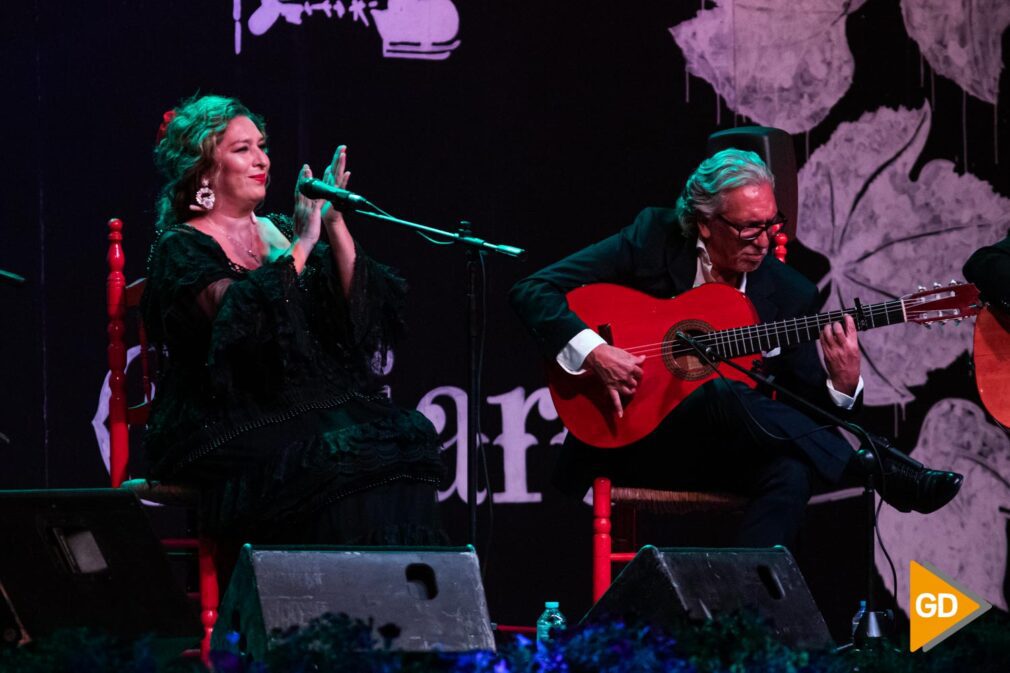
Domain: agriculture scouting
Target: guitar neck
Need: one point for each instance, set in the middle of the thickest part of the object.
(769, 336)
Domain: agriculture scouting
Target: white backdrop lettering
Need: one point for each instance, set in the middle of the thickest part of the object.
(415, 29)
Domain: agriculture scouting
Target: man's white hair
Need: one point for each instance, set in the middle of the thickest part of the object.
(702, 197)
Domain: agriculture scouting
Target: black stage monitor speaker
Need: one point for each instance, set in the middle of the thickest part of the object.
(775, 147)
(662, 586)
(434, 595)
(71, 558)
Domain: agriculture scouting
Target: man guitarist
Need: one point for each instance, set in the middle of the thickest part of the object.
(724, 435)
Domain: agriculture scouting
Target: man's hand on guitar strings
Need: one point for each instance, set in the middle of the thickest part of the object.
(840, 346)
(619, 370)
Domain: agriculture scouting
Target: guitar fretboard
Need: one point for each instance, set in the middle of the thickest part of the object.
(765, 337)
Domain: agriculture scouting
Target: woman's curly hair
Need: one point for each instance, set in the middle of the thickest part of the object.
(185, 152)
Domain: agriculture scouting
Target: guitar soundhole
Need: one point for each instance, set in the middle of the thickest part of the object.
(678, 358)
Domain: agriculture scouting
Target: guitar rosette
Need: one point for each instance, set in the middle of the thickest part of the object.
(680, 359)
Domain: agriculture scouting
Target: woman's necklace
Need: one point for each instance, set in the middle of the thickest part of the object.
(247, 247)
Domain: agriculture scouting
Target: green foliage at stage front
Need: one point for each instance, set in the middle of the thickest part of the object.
(338, 644)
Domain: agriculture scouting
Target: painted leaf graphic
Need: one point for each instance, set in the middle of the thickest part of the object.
(969, 534)
(961, 40)
(885, 234)
(783, 64)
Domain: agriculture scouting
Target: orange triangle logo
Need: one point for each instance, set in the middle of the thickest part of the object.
(938, 607)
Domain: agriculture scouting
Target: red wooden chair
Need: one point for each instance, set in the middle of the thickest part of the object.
(122, 299)
(631, 501)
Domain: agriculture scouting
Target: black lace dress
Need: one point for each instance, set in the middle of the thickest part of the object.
(272, 406)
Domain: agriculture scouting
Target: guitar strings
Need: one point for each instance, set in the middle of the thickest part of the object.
(768, 329)
(735, 336)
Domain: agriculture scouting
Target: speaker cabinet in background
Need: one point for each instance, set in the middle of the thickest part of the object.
(88, 557)
(775, 147)
(433, 595)
(662, 586)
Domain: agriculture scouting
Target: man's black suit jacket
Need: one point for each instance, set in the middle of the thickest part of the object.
(652, 255)
(989, 269)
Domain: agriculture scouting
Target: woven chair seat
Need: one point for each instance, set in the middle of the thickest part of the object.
(677, 502)
(686, 502)
(163, 494)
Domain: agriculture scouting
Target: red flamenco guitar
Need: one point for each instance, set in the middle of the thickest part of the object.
(718, 316)
(991, 358)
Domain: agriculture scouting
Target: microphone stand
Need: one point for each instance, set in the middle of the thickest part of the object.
(475, 248)
(13, 279)
(873, 625)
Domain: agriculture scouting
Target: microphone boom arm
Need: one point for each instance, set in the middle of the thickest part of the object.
(454, 237)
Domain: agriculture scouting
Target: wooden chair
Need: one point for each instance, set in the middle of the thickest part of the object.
(678, 503)
(123, 300)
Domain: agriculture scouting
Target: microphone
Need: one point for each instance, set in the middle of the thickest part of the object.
(10, 277)
(706, 352)
(317, 189)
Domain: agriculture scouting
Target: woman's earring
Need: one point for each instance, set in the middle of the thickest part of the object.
(205, 195)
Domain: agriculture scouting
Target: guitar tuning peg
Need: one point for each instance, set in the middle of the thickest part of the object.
(957, 321)
(921, 288)
(952, 282)
(936, 286)
(942, 323)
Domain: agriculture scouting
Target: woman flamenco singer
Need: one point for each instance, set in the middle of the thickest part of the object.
(268, 401)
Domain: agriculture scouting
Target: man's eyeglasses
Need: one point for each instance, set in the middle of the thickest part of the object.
(750, 231)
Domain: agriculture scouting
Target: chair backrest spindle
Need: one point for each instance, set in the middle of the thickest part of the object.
(115, 299)
(780, 246)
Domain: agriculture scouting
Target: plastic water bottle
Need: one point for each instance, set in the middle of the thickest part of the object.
(858, 618)
(550, 622)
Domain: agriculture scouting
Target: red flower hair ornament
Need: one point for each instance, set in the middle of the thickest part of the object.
(165, 121)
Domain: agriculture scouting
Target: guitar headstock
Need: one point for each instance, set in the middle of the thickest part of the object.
(955, 301)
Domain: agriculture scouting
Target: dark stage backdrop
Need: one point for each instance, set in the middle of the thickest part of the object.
(548, 126)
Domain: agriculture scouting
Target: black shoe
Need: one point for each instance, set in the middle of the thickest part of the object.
(908, 485)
